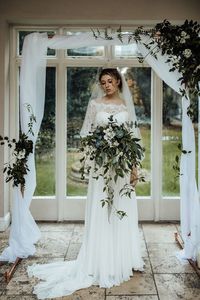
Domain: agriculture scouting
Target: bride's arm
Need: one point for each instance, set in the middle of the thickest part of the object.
(89, 120)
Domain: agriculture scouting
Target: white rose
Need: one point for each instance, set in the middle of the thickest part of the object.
(109, 134)
(116, 144)
(187, 53)
(182, 41)
(183, 33)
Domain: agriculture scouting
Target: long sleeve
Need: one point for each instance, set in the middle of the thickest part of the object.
(89, 120)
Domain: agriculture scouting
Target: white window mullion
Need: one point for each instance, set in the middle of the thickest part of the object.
(156, 143)
(60, 138)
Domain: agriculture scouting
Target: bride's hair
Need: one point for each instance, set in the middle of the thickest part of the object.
(113, 73)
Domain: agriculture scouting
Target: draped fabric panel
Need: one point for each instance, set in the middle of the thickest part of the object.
(190, 205)
(24, 231)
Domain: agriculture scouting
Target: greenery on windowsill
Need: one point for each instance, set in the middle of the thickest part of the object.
(17, 168)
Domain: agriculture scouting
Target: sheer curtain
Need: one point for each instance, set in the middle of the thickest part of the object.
(190, 205)
(24, 231)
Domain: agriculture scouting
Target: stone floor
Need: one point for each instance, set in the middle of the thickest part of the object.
(164, 278)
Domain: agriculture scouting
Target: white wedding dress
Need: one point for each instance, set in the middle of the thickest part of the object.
(111, 249)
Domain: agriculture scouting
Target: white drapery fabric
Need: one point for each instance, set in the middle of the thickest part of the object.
(24, 231)
(190, 204)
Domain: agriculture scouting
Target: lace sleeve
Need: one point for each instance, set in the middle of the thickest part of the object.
(89, 119)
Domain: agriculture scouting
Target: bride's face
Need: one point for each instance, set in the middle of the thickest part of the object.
(109, 84)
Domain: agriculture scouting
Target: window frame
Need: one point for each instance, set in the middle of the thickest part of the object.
(153, 207)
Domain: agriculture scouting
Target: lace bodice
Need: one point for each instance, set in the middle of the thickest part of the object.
(99, 112)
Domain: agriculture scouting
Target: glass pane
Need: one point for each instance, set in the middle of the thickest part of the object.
(23, 34)
(171, 137)
(139, 82)
(84, 51)
(45, 146)
(127, 51)
(79, 86)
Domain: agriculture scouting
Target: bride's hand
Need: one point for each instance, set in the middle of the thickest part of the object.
(134, 176)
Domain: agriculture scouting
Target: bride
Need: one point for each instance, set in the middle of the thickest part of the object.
(111, 248)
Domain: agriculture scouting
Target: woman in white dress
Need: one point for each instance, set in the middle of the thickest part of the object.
(111, 247)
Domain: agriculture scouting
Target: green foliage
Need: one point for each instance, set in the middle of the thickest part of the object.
(176, 165)
(17, 167)
(180, 43)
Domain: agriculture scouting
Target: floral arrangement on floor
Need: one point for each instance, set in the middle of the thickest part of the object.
(17, 167)
(112, 150)
(180, 42)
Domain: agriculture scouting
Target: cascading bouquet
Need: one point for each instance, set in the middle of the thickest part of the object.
(113, 151)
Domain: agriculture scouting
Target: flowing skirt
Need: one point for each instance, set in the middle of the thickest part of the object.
(109, 253)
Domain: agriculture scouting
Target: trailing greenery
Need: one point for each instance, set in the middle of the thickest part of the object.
(17, 167)
(176, 165)
(112, 150)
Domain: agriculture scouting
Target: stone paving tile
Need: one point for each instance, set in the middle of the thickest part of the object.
(56, 226)
(77, 236)
(163, 259)
(53, 244)
(61, 240)
(19, 297)
(3, 244)
(140, 283)
(159, 233)
(73, 251)
(147, 267)
(79, 226)
(3, 269)
(21, 284)
(5, 234)
(178, 286)
(92, 293)
(141, 297)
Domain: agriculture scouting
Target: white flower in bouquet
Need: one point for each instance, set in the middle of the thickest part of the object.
(115, 144)
(182, 41)
(109, 134)
(185, 35)
(187, 53)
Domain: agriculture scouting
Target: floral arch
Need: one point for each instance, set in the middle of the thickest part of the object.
(154, 45)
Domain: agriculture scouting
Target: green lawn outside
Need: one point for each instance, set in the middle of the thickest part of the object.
(45, 169)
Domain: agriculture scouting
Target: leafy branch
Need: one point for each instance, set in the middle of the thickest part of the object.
(176, 165)
(17, 167)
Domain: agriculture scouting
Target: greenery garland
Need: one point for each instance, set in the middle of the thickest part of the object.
(181, 43)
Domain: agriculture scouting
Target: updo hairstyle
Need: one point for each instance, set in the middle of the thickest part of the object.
(113, 73)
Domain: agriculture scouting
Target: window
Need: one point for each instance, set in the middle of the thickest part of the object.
(79, 86)
(45, 146)
(171, 138)
(139, 82)
(60, 193)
